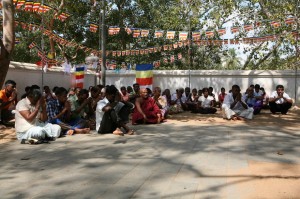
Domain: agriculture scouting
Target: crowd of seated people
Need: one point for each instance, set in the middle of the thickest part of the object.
(49, 114)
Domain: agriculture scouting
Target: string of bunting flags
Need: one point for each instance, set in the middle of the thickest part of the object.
(37, 7)
(167, 47)
(196, 35)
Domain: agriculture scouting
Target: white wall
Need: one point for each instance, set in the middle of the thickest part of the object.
(28, 74)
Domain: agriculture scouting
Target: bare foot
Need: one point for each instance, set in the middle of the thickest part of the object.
(130, 132)
(234, 118)
(82, 131)
(70, 132)
(118, 132)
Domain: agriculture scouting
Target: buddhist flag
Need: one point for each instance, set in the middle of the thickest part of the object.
(144, 33)
(234, 29)
(275, 24)
(158, 33)
(144, 75)
(290, 20)
(28, 6)
(196, 36)
(20, 4)
(170, 34)
(209, 34)
(183, 36)
(222, 31)
(36, 7)
(93, 27)
(79, 76)
(32, 45)
(248, 27)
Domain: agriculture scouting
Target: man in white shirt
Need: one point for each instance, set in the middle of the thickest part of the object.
(280, 101)
(234, 107)
(31, 117)
(111, 114)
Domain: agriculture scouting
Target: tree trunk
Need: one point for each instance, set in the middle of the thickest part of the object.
(8, 42)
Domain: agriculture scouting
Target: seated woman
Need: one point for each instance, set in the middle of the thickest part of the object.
(265, 96)
(206, 104)
(146, 110)
(160, 101)
(178, 102)
(192, 100)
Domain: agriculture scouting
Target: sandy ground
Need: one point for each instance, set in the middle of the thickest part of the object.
(289, 121)
(260, 179)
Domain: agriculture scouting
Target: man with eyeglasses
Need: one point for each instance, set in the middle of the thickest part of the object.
(8, 98)
(280, 101)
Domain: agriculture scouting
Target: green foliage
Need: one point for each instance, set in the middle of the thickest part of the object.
(178, 15)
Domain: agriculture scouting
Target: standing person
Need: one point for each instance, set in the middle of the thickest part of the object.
(31, 117)
(280, 101)
(8, 98)
(146, 110)
(234, 107)
(111, 114)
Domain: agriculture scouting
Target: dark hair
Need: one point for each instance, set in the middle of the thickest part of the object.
(135, 84)
(123, 88)
(83, 92)
(12, 82)
(60, 91)
(279, 86)
(95, 89)
(205, 89)
(27, 88)
(35, 94)
(111, 90)
(222, 88)
(257, 86)
(34, 86)
(235, 86)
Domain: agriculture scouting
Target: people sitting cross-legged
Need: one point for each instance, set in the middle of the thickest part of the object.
(111, 114)
(31, 117)
(205, 103)
(178, 102)
(161, 102)
(280, 101)
(146, 110)
(253, 99)
(192, 100)
(8, 99)
(234, 107)
(59, 112)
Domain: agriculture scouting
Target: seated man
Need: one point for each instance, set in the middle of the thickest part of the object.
(280, 101)
(253, 99)
(8, 98)
(205, 104)
(112, 114)
(31, 117)
(234, 107)
(146, 110)
(59, 112)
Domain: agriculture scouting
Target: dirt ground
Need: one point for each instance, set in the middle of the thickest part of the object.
(260, 179)
(289, 121)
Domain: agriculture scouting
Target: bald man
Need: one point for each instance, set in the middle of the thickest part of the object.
(146, 110)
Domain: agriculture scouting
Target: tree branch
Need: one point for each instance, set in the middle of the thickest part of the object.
(251, 55)
(267, 55)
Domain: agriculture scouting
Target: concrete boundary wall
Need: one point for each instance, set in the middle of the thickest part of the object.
(28, 74)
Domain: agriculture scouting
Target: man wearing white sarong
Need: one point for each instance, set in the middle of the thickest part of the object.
(30, 119)
(234, 107)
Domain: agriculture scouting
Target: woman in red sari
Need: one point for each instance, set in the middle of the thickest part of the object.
(146, 110)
